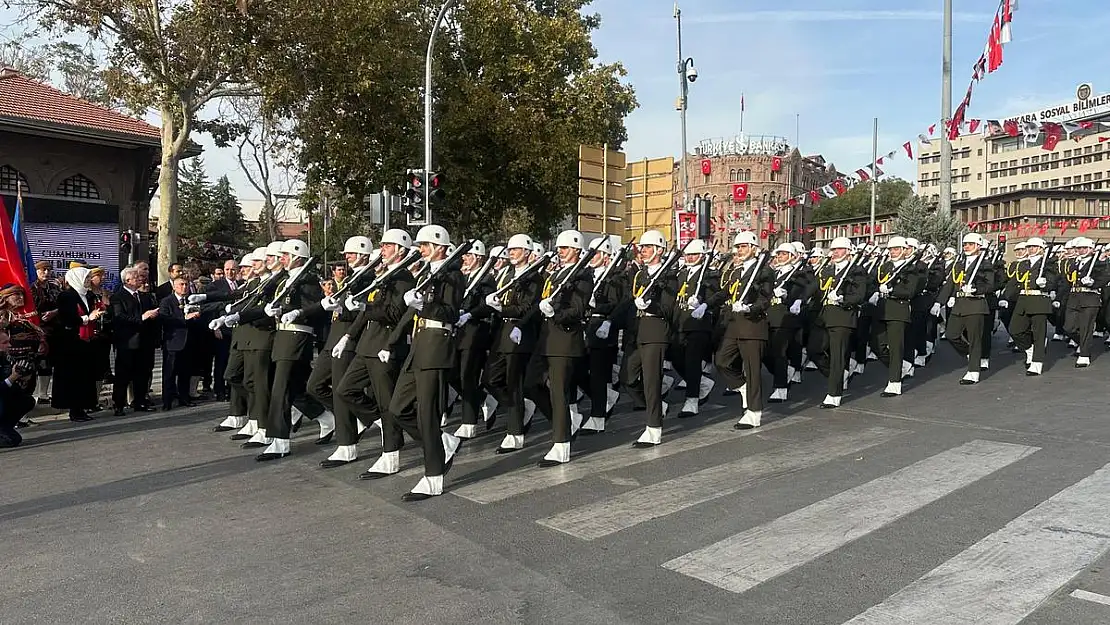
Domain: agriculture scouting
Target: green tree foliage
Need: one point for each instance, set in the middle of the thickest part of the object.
(856, 202)
(921, 220)
(517, 88)
(210, 213)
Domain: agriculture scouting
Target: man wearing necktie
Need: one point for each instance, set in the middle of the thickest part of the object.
(175, 335)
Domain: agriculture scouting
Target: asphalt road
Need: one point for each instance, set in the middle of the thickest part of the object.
(948, 505)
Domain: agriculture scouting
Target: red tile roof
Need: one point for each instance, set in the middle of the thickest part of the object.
(23, 98)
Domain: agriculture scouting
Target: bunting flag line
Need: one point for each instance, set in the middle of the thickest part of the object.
(1040, 228)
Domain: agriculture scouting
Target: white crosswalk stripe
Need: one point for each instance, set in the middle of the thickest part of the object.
(762, 553)
(528, 479)
(1001, 579)
(657, 500)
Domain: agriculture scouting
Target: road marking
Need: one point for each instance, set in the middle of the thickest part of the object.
(1090, 596)
(752, 557)
(1001, 579)
(530, 479)
(657, 500)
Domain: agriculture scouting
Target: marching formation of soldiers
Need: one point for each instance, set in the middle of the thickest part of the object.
(422, 325)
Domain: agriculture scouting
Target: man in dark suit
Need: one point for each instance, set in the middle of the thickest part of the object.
(165, 289)
(16, 399)
(219, 290)
(175, 334)
(132, 316)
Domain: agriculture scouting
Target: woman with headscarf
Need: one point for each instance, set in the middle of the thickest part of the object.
(28, 342)
(45, 292)
(102, 337)
(74, 373)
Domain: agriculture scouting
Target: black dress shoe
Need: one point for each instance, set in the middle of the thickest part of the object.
(545, 463)
(886, 394)
(964, 382)
(490, 422)
(331, 464)
(642, 445)
(142, 408)
(118, 412)
(297, 426)
(415, 497)
(828, 406)
(325, 439)
(253, 445)
(506, 450)
(686, 415)
(270, 456)
(585, 432)
(373, 475)
(239, 437)
(222, 428)
(81, 418)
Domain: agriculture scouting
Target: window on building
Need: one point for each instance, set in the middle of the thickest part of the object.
(1086, 177)
(1035, 185)
(1042, 206)
(1013, 163)
(994, 174)
(1097, 186)
(1025, 161)
(965, 171)
(1013, 187)
(11, 180)
(78, 186)
(1103, 206)
(1098, 157)
(1025, 186)
(1024, 170)
(1056, 164)
(1069, 206)
(732, 175)
(1067, 180)
(1067, 153)
(980, 151)
(1055, 206)
(1055, 156)
(964, 195)
(994, 190)
(1098, 175)
(993, 166)
(1089, 149)
(1091, 207)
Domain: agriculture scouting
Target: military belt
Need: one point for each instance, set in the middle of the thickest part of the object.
(1033, 292)
(295, 327)
(1083, 289)
(775, 301)
(422, 324)
(968, 295)
(640, 313)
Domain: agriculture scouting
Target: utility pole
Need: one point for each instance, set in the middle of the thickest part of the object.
(945, 207)
(686, 72)
(428, 103)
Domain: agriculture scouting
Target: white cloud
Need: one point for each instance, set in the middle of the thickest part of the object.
(833, 16)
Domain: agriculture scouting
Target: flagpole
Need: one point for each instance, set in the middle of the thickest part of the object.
(874, 178)
(741, 113)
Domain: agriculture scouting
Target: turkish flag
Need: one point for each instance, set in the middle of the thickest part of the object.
(1051, 135)
(740, 192)
(12, 270)
(776, 163)
(706, 166)
(815, 196)
(792, 202)
(839, 186)
(973, 125)
(908, 149)
(1011, 128)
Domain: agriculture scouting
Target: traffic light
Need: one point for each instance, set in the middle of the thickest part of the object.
(436, 182)
(416, 212)
(125, 240)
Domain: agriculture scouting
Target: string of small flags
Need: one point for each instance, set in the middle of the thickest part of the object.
(1039, 228)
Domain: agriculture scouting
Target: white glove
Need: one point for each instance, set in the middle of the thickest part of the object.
(1042, 282)
(493, 302)
(330, 304)
(641, 304)
(1087, 281)
(693, 302)
(290, 316)
(780, 293)
(740, 307)
(698, 312)
(231, 320)
(196, 298)
(593, 302)
(874, 299)
(463, 318)
(1056, 304)
(884, 289)
(603, 330)
(1052, 294)
(384, 355)
(967, 289)
(796, 307)
(340, 346)
(951, 302)
(272, 310)
(515, 335)
(227, 309)
(546, 308)
(353, 305)
(834, 299)
(414, 299)
(935, 310)
(1003, 303)
(215, 323)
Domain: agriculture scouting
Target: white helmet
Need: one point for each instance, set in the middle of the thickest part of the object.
(248, 259)
(799, 248)
(896, 242)
(817, 253)
(397, 236)
(1070, 243)
(840, 243)
(745, 237)
(974, 237)
(295, 247)
(358, 245)
(569, 238)
(521, 241)
(537, 248)
(273, 249)
(259, 254)
(786, 248)
(1084, 242)
(436, 235)
(478, 248)
(653, 237)
(914, 243)
(498, 251)
(1033, 242)
(697, 246)
(450, 248)
(949, 250)
(1021, 246)
(602, 244)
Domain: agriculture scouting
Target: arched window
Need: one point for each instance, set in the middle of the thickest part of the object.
(78, 186)
(11, 180)
(771, 197)
(732, 175)
(747, 175)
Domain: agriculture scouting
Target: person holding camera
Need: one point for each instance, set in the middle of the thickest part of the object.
(16, 399)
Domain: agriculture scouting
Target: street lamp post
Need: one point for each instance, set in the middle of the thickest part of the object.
(428, 104)
(686, 72)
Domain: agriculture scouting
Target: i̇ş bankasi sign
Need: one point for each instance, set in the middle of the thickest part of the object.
(1086, 105)
(742, 144)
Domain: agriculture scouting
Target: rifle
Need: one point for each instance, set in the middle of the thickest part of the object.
(1094, 258)
(478, 277)
(855, 262)
(375, 260)
(427, 274)
(583, 262)
(619, 260)
(527, 273)
(759, 262)
(668, 263)
(296, 281)
(385, 277)
(251, 298)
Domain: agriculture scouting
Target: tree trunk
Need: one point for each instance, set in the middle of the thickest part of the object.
(270, 218)
(167, 191)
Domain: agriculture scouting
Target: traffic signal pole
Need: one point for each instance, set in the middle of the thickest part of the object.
(428, 102)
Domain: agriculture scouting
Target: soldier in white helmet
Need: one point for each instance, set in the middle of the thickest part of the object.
(794, 286)
(899, 281)
(360, 258)
(1086, 274)
(473, 343)
(380, 312)
(1036, 285)
(654, 296)
(610, 290)
(418, 399)
(233, 372)
(743, 302)
(1006, 306)
(514, 339)
(969, 280)
(697, 286)
(843, 290)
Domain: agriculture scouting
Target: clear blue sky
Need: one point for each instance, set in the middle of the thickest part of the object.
(837, 67)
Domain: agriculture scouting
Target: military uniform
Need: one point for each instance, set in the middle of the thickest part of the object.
(473, 342)
(843, 288)
(254, 342)
(643, 377)
(793, 289)
(697, 284)
(739, 358)
(610, 304)
(1086, 275)
(1035, 287)
(899, 283)
(969, 280)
